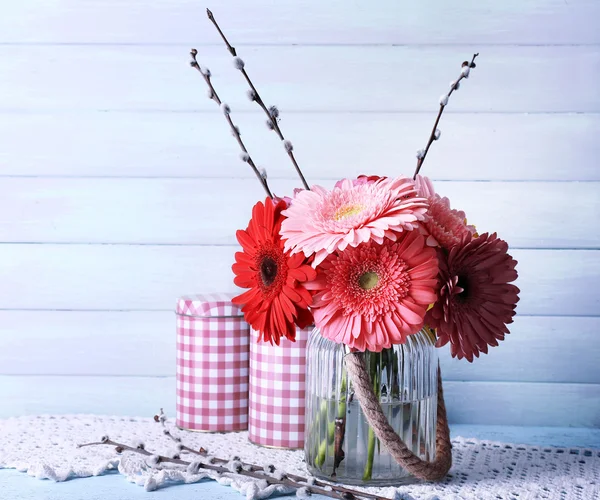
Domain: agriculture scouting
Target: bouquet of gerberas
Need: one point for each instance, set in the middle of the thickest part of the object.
(370, 263)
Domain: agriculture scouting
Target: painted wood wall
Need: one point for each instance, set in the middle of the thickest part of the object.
(121, 187)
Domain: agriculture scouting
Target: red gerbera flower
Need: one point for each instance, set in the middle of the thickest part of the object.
(277, 300)
(476, 299)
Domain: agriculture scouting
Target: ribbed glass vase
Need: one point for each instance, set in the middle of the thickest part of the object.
(339, 444)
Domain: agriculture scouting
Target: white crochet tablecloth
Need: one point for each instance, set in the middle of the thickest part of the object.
(46, 447)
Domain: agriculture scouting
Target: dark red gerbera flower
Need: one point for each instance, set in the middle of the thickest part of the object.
(277, 300)
(476, 299)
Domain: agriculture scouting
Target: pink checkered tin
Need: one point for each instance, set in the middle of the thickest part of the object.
(277, 389)
(213, 343)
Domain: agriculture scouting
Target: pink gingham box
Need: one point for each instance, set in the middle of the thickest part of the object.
(277, 390)
(213, 342)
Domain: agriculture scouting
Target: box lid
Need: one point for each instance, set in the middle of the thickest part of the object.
(208, 305)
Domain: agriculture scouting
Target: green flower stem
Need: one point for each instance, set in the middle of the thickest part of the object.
(341, 413)
(321, 453)
(368, 472)
(320, 450)
(328, 442)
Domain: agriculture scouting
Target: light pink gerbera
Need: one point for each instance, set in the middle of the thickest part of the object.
(446, 227)
(476, 300)
(320, 222)
(375, 295)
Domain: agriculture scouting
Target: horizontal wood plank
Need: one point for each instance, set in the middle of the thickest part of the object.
(580, 437)
(87, 343)
(539, 349)
(173, 211)
(335, 145)
(495, 403)
(131, 396)
(114, 277)
(299, 78)
(305, 21)
(519, 403)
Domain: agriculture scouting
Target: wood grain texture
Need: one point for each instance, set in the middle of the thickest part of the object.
(131, 396)
(100, 92)
(115, 277)
(539, 349)
(304, 21)
(495, 403)
(88, 343)
(300, 78)
(520, 403)
(173, 211)
(472, 147)
(539, 435)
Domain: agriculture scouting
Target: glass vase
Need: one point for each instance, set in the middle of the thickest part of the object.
(339, 443)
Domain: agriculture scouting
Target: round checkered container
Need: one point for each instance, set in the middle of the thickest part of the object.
(213, 342)
(277, 388)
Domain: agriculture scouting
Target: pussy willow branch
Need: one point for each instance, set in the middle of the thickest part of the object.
(454, 87)
(258, 99)
(285, 480)
(161, 417)
(234, 129)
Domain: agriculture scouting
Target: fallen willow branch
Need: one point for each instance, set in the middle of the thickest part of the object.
(212, 94)
(435, 133)
(162, 419)
(272, 112)
(234, 467)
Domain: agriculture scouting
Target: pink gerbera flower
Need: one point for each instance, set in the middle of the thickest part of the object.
(424, 186)
(375, 295)
(320, 222)
(446, 227)
(361, 179)
(476, 300)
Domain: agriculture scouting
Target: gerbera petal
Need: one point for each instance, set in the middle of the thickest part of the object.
(444, 226)
(409, 315)
(245, 297)
(245, 240)
(423, 295)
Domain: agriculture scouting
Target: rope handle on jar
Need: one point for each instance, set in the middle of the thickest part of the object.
(371, 407)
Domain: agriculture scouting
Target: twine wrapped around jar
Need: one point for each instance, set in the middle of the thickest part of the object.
(371, 407)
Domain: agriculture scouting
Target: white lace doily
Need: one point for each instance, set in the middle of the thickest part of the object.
(45, 447)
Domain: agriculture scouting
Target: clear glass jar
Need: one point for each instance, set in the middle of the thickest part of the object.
(404, 377)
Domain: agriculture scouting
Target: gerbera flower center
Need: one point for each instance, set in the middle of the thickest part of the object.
(268, 270)
(346, 211)
(464, 284)
(368, 280)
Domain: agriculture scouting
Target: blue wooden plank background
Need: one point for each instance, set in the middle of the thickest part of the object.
(120, 187)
